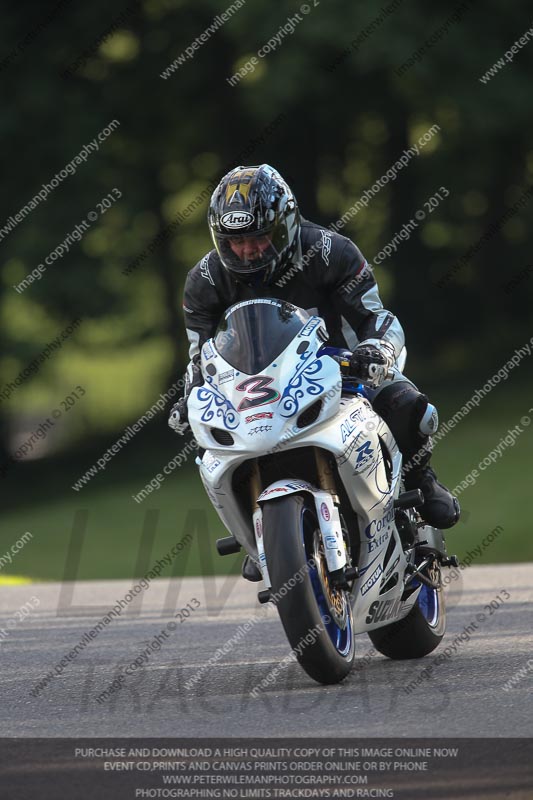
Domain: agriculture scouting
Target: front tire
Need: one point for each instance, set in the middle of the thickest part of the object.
(420, 632)
(316, 618)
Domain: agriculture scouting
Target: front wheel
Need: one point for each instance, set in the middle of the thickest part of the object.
(421, 631)
(317, 618)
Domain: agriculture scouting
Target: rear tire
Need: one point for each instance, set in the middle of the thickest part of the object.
(420, 632)
(290, 538)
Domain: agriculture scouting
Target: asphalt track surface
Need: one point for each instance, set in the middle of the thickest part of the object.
(463, 696)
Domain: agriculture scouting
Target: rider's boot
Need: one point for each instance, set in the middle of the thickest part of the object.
(440, 508)
(250, 570)
(412, 419)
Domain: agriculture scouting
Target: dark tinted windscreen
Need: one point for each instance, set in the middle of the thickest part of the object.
(254, 333)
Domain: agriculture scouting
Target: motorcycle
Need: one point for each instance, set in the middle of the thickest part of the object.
(307, 478)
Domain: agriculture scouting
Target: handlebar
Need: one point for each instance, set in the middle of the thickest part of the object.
(344, 364)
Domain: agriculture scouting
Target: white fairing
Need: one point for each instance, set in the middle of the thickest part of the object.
(346, 426)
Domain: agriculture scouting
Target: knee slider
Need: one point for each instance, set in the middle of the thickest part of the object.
(425, 419)
(429, 421)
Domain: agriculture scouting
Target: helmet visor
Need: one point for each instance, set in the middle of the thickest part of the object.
(247, 253)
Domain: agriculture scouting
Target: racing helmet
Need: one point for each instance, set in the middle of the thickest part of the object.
(254, 223)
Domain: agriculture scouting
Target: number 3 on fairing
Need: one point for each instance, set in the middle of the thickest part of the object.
(258, 387)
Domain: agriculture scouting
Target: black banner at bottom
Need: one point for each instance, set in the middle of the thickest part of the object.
(407, 769)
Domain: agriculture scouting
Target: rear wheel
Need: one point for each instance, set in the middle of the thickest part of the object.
(317, 618)
(421, 631)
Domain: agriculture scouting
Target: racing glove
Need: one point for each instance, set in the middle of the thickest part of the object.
(178, 420)
(372, 361)
(179, 417)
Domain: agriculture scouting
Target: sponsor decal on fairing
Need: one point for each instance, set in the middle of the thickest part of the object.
(224, 377)
(207, 351)
(366, 455)
(259, 429)
(209, 462)
(368, 584)
(261, 415)
(375, 544)
(391, 569)
(348, 426)
(309, 327)
(377, 525)
(276, 490)
(382, 610)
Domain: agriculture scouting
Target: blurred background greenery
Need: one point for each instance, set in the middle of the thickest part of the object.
(332, 116)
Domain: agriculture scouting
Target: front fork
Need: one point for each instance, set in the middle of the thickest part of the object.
(325, 475)
(257, 517)
(341, 576)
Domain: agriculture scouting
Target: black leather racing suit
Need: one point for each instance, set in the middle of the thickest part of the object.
(330, 277)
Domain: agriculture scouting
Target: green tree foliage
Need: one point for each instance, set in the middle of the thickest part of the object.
(327, 106)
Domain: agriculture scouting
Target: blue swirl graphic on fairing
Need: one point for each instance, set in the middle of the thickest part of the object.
(217, 405)
(301, 384)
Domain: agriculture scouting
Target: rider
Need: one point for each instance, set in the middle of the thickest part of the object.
(264, 248)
